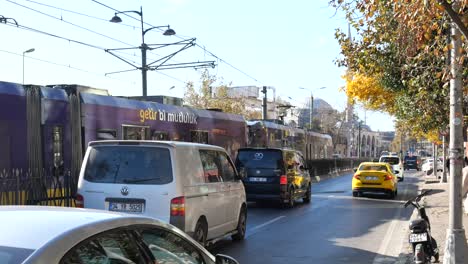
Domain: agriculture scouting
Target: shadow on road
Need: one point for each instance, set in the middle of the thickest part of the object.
(334, 228)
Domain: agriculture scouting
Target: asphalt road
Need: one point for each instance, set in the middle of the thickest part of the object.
(333, 228)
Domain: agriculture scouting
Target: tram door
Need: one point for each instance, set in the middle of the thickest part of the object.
(135, 132)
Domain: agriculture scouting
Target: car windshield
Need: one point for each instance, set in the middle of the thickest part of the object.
(411, 158)
(129, 164)
(372, 167)
(260, 159)
(391, 160)
(11, 255)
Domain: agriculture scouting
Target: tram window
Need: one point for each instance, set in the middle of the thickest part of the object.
(199, 136)
(134, 132)
(106, 134)
(57, 142)
(159, 135)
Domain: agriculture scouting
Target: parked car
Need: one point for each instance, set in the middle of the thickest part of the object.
(274, 174)
(412, 162)
(396, 164)
(70, 235)
(375, 178)
(428, 164)
(194, 187)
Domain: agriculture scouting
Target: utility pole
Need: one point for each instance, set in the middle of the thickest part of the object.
(444, 168)
(359, 140)
(311, 110)
(264, 105)
(455, 246)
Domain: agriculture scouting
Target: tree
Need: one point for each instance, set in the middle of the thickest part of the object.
(213, 94)
(398, 61)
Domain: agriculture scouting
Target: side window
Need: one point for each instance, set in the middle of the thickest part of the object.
(228, 172)
(106, 134)
(110, 247)
(300, 160)
(160, 135)
(211, 168)
(168, 248)
(199, 136)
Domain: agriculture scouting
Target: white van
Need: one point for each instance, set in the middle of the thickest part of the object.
(396, 164)
(192, 186)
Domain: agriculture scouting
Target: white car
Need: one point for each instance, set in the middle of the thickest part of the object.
(428, 164)
(42, 234)
(396, 164)
(192, 186)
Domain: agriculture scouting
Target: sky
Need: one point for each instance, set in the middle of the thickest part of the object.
(280, 44)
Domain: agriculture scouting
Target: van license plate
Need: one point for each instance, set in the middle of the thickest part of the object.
(422, 237)
(256, 179)
(126, 207)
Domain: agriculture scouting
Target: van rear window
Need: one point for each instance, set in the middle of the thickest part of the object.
(259, 159)
(391, 160)
(129, 165)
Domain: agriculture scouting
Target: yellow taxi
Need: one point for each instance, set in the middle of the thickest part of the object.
(375, 178)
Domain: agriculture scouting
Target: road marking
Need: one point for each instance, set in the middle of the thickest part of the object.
(382, 256)
(267, 223)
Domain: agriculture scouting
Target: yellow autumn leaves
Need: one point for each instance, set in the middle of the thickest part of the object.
(369, 91)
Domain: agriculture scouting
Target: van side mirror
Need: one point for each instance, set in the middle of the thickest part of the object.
(223, 259)
(355, 169)
(242, 173)
(397, 171)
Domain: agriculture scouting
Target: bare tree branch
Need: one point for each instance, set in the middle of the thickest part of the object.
(455, 18)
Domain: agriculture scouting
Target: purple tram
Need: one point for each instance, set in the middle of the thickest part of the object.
(45, 130)
(313, 145)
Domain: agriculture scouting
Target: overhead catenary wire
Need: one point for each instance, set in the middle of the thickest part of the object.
(64, 65)
(76, 13)
(81, 27)
(70, 23)
(203, 48)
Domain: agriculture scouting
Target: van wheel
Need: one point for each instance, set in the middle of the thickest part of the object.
(241, 226)
(308, 196)
(355, 194)
(200, 233)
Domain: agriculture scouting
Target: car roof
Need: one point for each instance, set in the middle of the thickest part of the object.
(373, 163)
(268, 148)
(174, 144)
(36, 226)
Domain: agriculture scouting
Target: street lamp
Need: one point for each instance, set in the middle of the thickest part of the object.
(26, 51)
(143, 47)
(311, 103)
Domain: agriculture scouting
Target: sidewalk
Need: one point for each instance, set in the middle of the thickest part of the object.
(437, 210)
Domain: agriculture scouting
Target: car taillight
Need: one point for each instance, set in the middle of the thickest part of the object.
(79, 201)
(178, 206)
(356, 176)
(283, 180)
(388, 177)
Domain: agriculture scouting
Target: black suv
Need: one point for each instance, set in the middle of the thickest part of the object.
(274, 174)
(412, 162)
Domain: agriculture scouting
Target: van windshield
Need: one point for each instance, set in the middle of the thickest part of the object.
(129, 165)
(391, 160)
(259, 159)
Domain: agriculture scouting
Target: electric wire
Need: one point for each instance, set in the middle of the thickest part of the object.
(203, 48)
(76, 13)
(61, 19)
(75, 25)
(65, 66)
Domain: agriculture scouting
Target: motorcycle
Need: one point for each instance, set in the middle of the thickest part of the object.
(424, 245)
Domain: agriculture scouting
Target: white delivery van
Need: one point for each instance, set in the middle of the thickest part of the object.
(192, 186)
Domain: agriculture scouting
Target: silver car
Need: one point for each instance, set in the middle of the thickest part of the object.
(47, 235)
